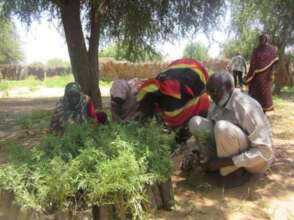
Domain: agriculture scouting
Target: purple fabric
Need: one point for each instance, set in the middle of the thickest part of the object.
(260, 83)
(260, 89)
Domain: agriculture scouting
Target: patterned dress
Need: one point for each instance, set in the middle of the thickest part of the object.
(71, 108)
(178, 93)
(259, 77)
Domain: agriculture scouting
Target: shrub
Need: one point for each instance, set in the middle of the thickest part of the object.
(36, 119)
(89, 165)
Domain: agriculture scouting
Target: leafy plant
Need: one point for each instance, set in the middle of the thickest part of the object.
(10, 47)
(89, 165)
(38, 119)
(196, 50)
(119, 52)
(56, 62)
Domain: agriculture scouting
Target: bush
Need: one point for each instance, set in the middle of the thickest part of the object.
(36, 119)
(89, 165)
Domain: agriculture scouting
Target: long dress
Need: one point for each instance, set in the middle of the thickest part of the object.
(259, 77)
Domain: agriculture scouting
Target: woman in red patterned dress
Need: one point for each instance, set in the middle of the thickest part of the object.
(259, 77)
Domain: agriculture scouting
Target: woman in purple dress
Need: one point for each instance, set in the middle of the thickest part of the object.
(259, 77)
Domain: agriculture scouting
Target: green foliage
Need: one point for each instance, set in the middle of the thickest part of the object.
(262, 15)
(142, 24)
(32, 83)
(105, 83)
(245, 45)
(37, 65)
(137, 25)
(147, 22)
(50, 82)
(10, 50)
(288, 90)
(55, 63)
(6, 85)
(89, 165)
(119, 52)
(37, 119)
(58, 81)
(197, 51)
(274, 17)
(110, 51)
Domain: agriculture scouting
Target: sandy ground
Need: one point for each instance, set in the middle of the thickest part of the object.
(265, 196)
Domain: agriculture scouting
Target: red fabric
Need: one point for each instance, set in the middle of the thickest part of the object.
(260, 87)
(261, 57)
(100, 117)
(91, 110)
(171, 88)
(201, 107)
(189, 91)
(189, 61)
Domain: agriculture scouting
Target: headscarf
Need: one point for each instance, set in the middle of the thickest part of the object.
(182, 77)
(72, 97)
(264, 36)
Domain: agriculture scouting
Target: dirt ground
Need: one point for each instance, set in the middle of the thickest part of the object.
(265, 196)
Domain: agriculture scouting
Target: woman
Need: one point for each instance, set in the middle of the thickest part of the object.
(176, 94)
(74, 107)
(259, 77)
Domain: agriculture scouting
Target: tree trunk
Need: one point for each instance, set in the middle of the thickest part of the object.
(82, 62)
(93, 53)
(281, 76)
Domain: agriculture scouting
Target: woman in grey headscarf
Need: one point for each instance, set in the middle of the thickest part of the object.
(72, 107)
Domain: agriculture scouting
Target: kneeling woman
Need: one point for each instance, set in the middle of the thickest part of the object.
(74, 107)
(176, 95)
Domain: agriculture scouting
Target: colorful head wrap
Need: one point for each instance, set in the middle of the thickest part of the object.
(188, 73)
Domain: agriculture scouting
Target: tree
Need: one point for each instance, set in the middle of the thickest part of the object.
(197, 51)
(56, 62)
(119, 52)
(10, 51)
(37, 64)
(137, 24)
(244, 44)
(275, 17)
